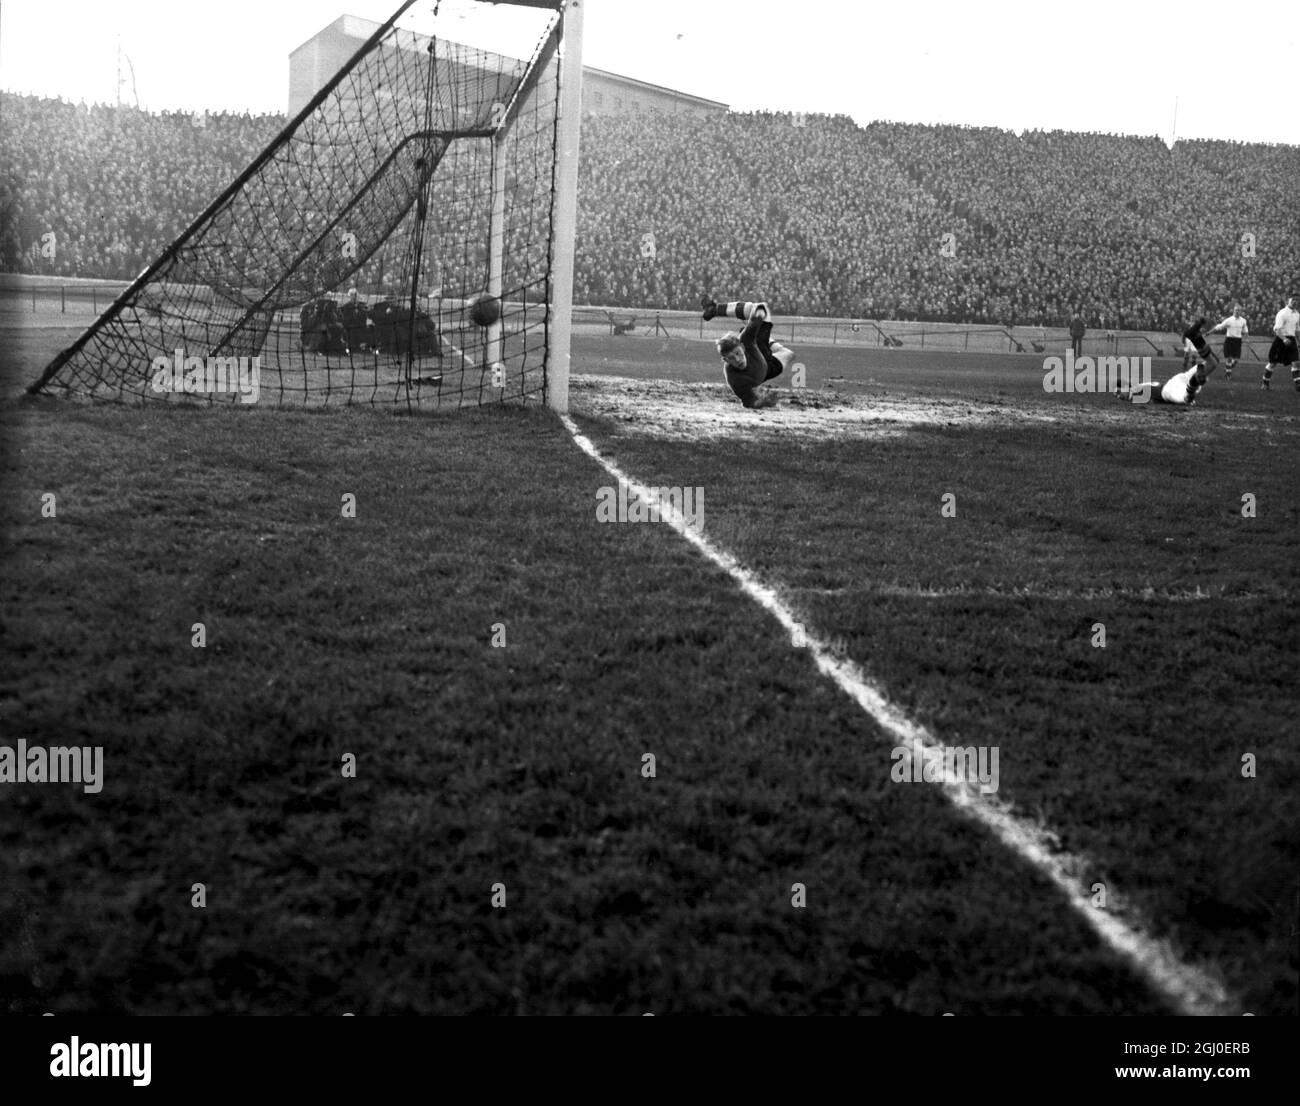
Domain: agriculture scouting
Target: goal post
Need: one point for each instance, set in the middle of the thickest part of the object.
(341, 264)
(566, 204)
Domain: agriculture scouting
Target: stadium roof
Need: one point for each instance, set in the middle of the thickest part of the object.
(357, 27)
(654, 87)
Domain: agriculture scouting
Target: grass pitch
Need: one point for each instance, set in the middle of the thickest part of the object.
(522, 765)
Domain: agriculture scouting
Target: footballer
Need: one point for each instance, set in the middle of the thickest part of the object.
(749, 358)
(1196, 348)
(1180, 389)
(1283, 349)
(1234, 326)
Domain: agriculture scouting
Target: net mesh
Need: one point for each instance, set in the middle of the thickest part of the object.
(345, 264)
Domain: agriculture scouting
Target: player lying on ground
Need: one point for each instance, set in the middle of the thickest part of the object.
(1179, 389)
(1195, 347)
(1234, 326)
(1283, 350)
(749, 358)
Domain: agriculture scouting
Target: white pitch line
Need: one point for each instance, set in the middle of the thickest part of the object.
(1148, 595)
(465, 362)
(1189, 989)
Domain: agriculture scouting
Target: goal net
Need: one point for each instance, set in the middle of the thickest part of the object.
(395, 244)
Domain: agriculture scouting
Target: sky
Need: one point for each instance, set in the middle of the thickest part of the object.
(1164, 68)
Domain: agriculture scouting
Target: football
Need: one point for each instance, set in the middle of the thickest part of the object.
(484, 309)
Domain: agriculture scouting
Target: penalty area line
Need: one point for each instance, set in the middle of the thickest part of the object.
(1188, 988)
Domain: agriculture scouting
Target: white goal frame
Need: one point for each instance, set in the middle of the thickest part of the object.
(565, 44)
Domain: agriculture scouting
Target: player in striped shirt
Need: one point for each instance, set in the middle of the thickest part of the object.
(749, 358)
(1283, 349)
(1234, 326)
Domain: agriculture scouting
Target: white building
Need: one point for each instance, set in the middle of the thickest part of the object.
(313, 63)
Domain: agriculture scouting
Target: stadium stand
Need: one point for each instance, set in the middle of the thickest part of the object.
(824, 218)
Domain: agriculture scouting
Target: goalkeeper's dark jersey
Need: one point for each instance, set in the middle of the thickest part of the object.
(760, 363)
(756, 338)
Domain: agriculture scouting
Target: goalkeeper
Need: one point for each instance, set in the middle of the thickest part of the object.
(749, 358)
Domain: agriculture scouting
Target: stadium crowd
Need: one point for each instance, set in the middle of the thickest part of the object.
(114, 185)
(815, 213)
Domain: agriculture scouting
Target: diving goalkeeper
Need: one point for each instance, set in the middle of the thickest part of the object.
(749, 358)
